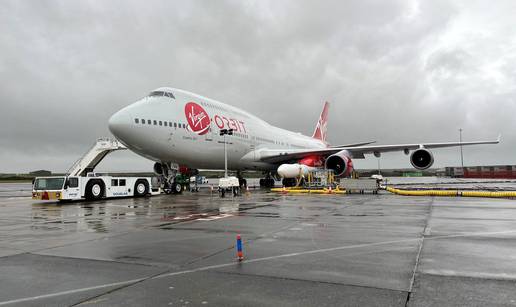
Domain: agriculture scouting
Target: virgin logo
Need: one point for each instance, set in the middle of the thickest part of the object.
(197, 117)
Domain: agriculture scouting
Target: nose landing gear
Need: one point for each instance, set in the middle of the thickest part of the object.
(171, 182)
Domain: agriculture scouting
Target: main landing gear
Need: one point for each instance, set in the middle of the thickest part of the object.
(267, 182)
(242, 182)
(289, 182)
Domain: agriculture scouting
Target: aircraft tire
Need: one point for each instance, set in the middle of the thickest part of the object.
(288, 182)
(243, 183)
(177, 188)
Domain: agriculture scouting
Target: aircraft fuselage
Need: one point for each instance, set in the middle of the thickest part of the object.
(183, 128)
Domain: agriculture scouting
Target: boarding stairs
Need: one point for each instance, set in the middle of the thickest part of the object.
(94, 156)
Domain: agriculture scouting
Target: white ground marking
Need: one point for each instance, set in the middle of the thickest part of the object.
(211, 267)
(34, 298)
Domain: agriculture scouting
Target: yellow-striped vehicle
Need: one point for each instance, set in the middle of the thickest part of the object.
(91, 187)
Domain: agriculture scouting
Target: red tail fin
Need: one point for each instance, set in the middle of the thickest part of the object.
(320, 129)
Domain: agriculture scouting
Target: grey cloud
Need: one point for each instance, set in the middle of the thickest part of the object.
(394, 71)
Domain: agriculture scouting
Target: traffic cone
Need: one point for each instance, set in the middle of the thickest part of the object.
(240, 254)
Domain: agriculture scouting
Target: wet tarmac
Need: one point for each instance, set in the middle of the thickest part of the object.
(300, 250)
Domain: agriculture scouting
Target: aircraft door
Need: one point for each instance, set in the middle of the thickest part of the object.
(252, 146)
(209, 136)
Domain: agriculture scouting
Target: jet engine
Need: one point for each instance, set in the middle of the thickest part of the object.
(340, 163)
(421, 159)
(158, 168)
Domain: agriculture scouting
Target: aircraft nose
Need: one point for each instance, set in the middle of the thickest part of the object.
(119, 123)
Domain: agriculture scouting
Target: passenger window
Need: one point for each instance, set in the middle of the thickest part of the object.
(160, 123)
(114, 182)
(136, 120)
(175, 125)
(165, 123)
(170, 124)
(155, 122)
(149, 121)
(121, 183)
(73, 182)
(184, 126)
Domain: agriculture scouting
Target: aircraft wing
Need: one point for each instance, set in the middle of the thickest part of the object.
(357, 152)
(353, 145)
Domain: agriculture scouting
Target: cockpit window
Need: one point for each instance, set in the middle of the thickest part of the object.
(161, 93)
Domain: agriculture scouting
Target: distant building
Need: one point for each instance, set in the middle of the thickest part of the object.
(495, 171)
(40, 173)
(440, 172)
(412, 174)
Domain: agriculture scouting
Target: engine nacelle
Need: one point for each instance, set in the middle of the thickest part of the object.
(421, 159)
(158, 168)
(294, 170)
(340, 163)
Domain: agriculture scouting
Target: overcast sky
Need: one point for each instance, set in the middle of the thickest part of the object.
(393, 71)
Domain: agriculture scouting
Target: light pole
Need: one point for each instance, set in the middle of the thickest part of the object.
(461, 155)
(223, 133)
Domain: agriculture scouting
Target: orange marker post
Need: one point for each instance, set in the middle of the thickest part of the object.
(240, 254)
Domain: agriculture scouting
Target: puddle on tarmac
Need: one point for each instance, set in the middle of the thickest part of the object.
(157, 212)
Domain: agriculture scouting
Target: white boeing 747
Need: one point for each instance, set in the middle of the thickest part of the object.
(180, 131)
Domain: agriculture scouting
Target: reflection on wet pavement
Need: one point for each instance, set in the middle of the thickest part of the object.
(157, 211)
(337, 249)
